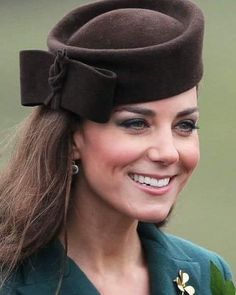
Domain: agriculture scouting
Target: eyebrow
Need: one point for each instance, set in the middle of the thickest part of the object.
(136, 110)
(151, 113)
(187, 112)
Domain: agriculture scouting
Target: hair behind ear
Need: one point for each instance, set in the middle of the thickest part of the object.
(35, 186)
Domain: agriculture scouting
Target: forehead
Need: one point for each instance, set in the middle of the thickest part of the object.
(174, 104)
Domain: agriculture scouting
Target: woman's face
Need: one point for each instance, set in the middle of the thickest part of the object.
(138, 162)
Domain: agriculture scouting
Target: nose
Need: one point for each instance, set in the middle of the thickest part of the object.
(163, 149)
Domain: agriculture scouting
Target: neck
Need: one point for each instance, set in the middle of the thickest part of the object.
(101, 239)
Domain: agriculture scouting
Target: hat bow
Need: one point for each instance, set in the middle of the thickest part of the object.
(58, 81)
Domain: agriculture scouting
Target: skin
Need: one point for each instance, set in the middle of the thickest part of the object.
(157, 139)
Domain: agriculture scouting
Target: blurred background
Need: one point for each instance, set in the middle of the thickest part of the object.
(206, 210)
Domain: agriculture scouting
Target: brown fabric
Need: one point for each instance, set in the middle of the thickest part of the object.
(53, 82)
(117, 52)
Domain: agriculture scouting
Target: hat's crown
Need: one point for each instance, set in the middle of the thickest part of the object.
(127, 28)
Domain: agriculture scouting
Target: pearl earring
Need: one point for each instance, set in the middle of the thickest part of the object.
(75, 168)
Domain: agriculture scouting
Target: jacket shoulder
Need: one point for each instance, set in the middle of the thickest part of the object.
(41, 267)
(11, 283)
(200, 254)
(180, 249)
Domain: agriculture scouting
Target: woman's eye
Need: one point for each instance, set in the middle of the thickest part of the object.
(137, 124)
(186, 126)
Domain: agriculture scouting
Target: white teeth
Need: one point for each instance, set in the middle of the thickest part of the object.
(136, 177)
(154, 182)
(145, 180)
(141, 179)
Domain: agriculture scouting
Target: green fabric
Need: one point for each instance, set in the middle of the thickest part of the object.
(166, 256)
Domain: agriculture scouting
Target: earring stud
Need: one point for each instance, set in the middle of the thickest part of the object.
(75, 168)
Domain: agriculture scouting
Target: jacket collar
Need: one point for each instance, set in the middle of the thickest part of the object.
(164, 257)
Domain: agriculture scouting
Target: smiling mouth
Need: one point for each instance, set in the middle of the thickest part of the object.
(150, 181)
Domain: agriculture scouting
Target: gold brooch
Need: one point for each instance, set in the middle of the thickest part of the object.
(181, 281)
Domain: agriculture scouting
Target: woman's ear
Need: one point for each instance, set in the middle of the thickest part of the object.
(76, 139)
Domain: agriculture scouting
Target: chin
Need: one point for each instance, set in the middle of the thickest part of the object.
(160, 217)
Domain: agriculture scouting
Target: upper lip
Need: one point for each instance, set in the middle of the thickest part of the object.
(157, 176)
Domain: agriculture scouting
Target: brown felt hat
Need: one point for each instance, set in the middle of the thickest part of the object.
(114, 52)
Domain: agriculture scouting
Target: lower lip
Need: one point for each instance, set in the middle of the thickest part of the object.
(155, 191)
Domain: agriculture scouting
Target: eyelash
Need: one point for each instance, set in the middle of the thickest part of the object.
(139, 125)
(188, 126)
(135, 124)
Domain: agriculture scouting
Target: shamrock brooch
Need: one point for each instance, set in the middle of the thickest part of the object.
(181, 281)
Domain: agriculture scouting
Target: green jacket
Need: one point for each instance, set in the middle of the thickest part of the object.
(166, 256)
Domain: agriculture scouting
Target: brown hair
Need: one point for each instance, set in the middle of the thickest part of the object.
(35, 185)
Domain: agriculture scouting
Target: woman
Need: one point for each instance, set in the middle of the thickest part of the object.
(101, 160)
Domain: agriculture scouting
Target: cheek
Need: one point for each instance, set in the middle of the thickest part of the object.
(115, 151)
(190, 155)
